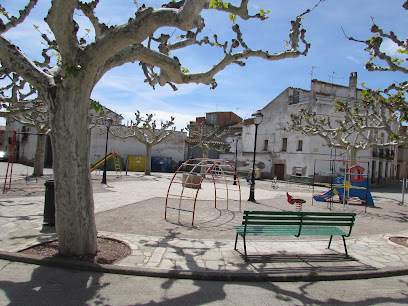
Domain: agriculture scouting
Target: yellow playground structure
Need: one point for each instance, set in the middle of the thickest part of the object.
(116, 160)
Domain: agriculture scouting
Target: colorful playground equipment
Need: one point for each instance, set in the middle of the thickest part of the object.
(298, 202)
(10, 164)
(116, 160)
(189, 180)
(349, 188)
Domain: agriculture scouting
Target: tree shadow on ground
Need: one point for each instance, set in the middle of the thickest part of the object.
(210, 291)
(53, 286)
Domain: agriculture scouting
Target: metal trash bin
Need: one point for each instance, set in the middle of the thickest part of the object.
(49, 204)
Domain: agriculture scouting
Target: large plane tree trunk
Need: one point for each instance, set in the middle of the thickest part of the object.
(148, 162)
(75, 220)
(39, 156)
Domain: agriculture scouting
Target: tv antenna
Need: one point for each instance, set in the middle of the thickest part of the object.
(312, 72)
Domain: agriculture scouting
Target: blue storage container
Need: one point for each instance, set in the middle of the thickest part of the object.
(161, 164)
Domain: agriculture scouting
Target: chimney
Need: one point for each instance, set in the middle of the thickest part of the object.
(353, 87)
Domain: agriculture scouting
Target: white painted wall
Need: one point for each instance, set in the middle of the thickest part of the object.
(25, 143)
(173, 146)
(276, 116)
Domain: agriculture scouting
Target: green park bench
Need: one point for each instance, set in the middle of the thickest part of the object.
(285, 223)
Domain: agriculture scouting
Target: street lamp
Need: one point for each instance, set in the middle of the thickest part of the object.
(108, 122)
(237, 135)
(258, 117)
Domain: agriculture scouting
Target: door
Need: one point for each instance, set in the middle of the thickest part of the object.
(279, 171)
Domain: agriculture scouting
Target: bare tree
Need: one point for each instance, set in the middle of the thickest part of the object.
(385, 61)
(206, 137)
(19, 102)
(16, 95)
(145, 130)
(355, 125)
(375, 121)
(65, 82)
(37, 118)
(381, 61)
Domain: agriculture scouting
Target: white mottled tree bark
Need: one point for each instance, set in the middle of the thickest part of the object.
(39, 156)
(75, 220)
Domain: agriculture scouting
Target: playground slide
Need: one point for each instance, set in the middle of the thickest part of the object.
(101, 161)
(353, 190)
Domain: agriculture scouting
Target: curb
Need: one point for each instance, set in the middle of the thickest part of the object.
(68, 263)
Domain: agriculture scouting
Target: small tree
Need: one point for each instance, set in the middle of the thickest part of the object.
(37, 118)
(206, 138)
(17, 97)
(145, 130)
(357, 125)
(19, 102)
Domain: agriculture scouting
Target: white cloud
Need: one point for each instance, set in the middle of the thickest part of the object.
(390, 48)
(353, 59)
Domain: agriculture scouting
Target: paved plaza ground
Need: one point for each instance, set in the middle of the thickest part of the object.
(131, 208)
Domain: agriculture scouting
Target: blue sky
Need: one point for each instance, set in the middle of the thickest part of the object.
(240, 89)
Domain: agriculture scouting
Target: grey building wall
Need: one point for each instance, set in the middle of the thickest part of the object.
(304, 155)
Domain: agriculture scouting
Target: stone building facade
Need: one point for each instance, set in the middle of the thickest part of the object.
(284, 154)
(174, 146)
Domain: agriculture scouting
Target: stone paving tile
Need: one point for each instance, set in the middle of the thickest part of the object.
(183, 265)
(131, 260)
(137, 252)
(212, 256)
(183, 244)
(174, 256)
(217, 265)
(167, 264)
(396, 264)
(191, 258)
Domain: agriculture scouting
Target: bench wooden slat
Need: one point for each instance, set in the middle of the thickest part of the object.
(272, 223)
(267, 231)
(326, 223)
(345, 218)
(286, 230)
(270, 218)
(329, 231)
(288, 213)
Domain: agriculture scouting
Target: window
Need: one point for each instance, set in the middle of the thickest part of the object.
(284, 144)
(295, 98)
(300, 145)
(212, 118)
(265, 145)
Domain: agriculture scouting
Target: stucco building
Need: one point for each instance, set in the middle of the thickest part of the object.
(174, 146)
(284, 154)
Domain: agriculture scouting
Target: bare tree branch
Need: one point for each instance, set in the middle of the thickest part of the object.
(14, 21)
(373, 46)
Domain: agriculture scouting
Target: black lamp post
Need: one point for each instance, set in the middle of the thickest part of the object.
(108, 122)
(257, 120)
(237, 135)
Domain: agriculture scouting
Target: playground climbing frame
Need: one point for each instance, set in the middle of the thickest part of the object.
(188, 180)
